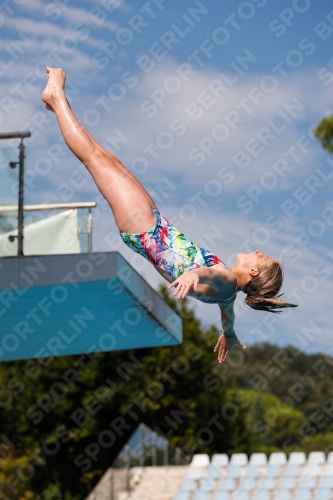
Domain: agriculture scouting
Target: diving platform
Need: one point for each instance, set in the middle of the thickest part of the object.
(56, 305)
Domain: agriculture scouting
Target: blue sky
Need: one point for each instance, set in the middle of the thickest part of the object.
(212, 105)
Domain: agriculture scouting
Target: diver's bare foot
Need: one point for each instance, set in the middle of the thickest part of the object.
(54, 89)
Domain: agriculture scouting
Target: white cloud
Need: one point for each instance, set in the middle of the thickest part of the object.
(141, 131)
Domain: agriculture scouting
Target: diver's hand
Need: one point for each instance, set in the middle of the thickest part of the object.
(224, 346)
(184, 283)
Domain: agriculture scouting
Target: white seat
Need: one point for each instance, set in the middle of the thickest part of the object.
(312, 470)
(317, 457)
(247, 484)
(200, 460)
(227, 484)
(194, 473)
(220, 460)
(258, 459)
(273, 471)
(297, 458)
(323, 494)
(241, 495)
(330, 457)
(292, 471)
(287, 483)
(267, 483)
(328, 470)
(239, 459)
(262, 495)
(277, 458)
(207, 484)
(252, 471)
(200, 495)
(303, 495)
(233, 472)
(214, 472)
(282, 495)
(187, 485)
(181, 495)
(307, 483)
(326, 482)
(220, 495)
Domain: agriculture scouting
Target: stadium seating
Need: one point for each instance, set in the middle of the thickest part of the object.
(220, 460)
(252, 471)
(207, 484)
(273, 471)
(201, 495)
(297, 458)
(287, 483)
(233, 471)
(187, 485)
(292, 471)
(214, 472)
(323, 494)
(282, 495)
(267, 483)
(277, 458)
(220, 495)
(247, 484)
(262, 495)
(307, 483)
(303, 495)
(194, 473)
(238, 459)
(181, 495)
(259, 477)
(241, 495)
(227, 485)
(258, 459)
(312, 470)
(326, 482)
(316, 457)
(328, 469)
(200, 461)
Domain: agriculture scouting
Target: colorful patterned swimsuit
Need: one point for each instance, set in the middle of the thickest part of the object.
(168, 249)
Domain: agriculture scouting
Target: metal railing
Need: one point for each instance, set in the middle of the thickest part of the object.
(19, 135)
(56, 206)
(20, 208)
(49, 206)
(151, 449)
(145, 448)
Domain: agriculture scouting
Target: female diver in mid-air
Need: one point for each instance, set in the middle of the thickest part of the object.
(192, 270)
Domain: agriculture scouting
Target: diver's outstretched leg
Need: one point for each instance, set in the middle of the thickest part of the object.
(130, 203)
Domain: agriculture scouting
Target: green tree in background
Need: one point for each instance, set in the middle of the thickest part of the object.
(255, 414)
(324, 132)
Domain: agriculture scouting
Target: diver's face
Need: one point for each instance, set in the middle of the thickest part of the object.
(253, 260)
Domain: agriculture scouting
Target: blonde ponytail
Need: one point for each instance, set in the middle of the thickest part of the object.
(262, 290)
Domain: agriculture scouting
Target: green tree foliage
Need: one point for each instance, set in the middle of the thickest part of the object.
(324, 132)
(68, 417)
(9, 465)
(253, 423)
(322, 441)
